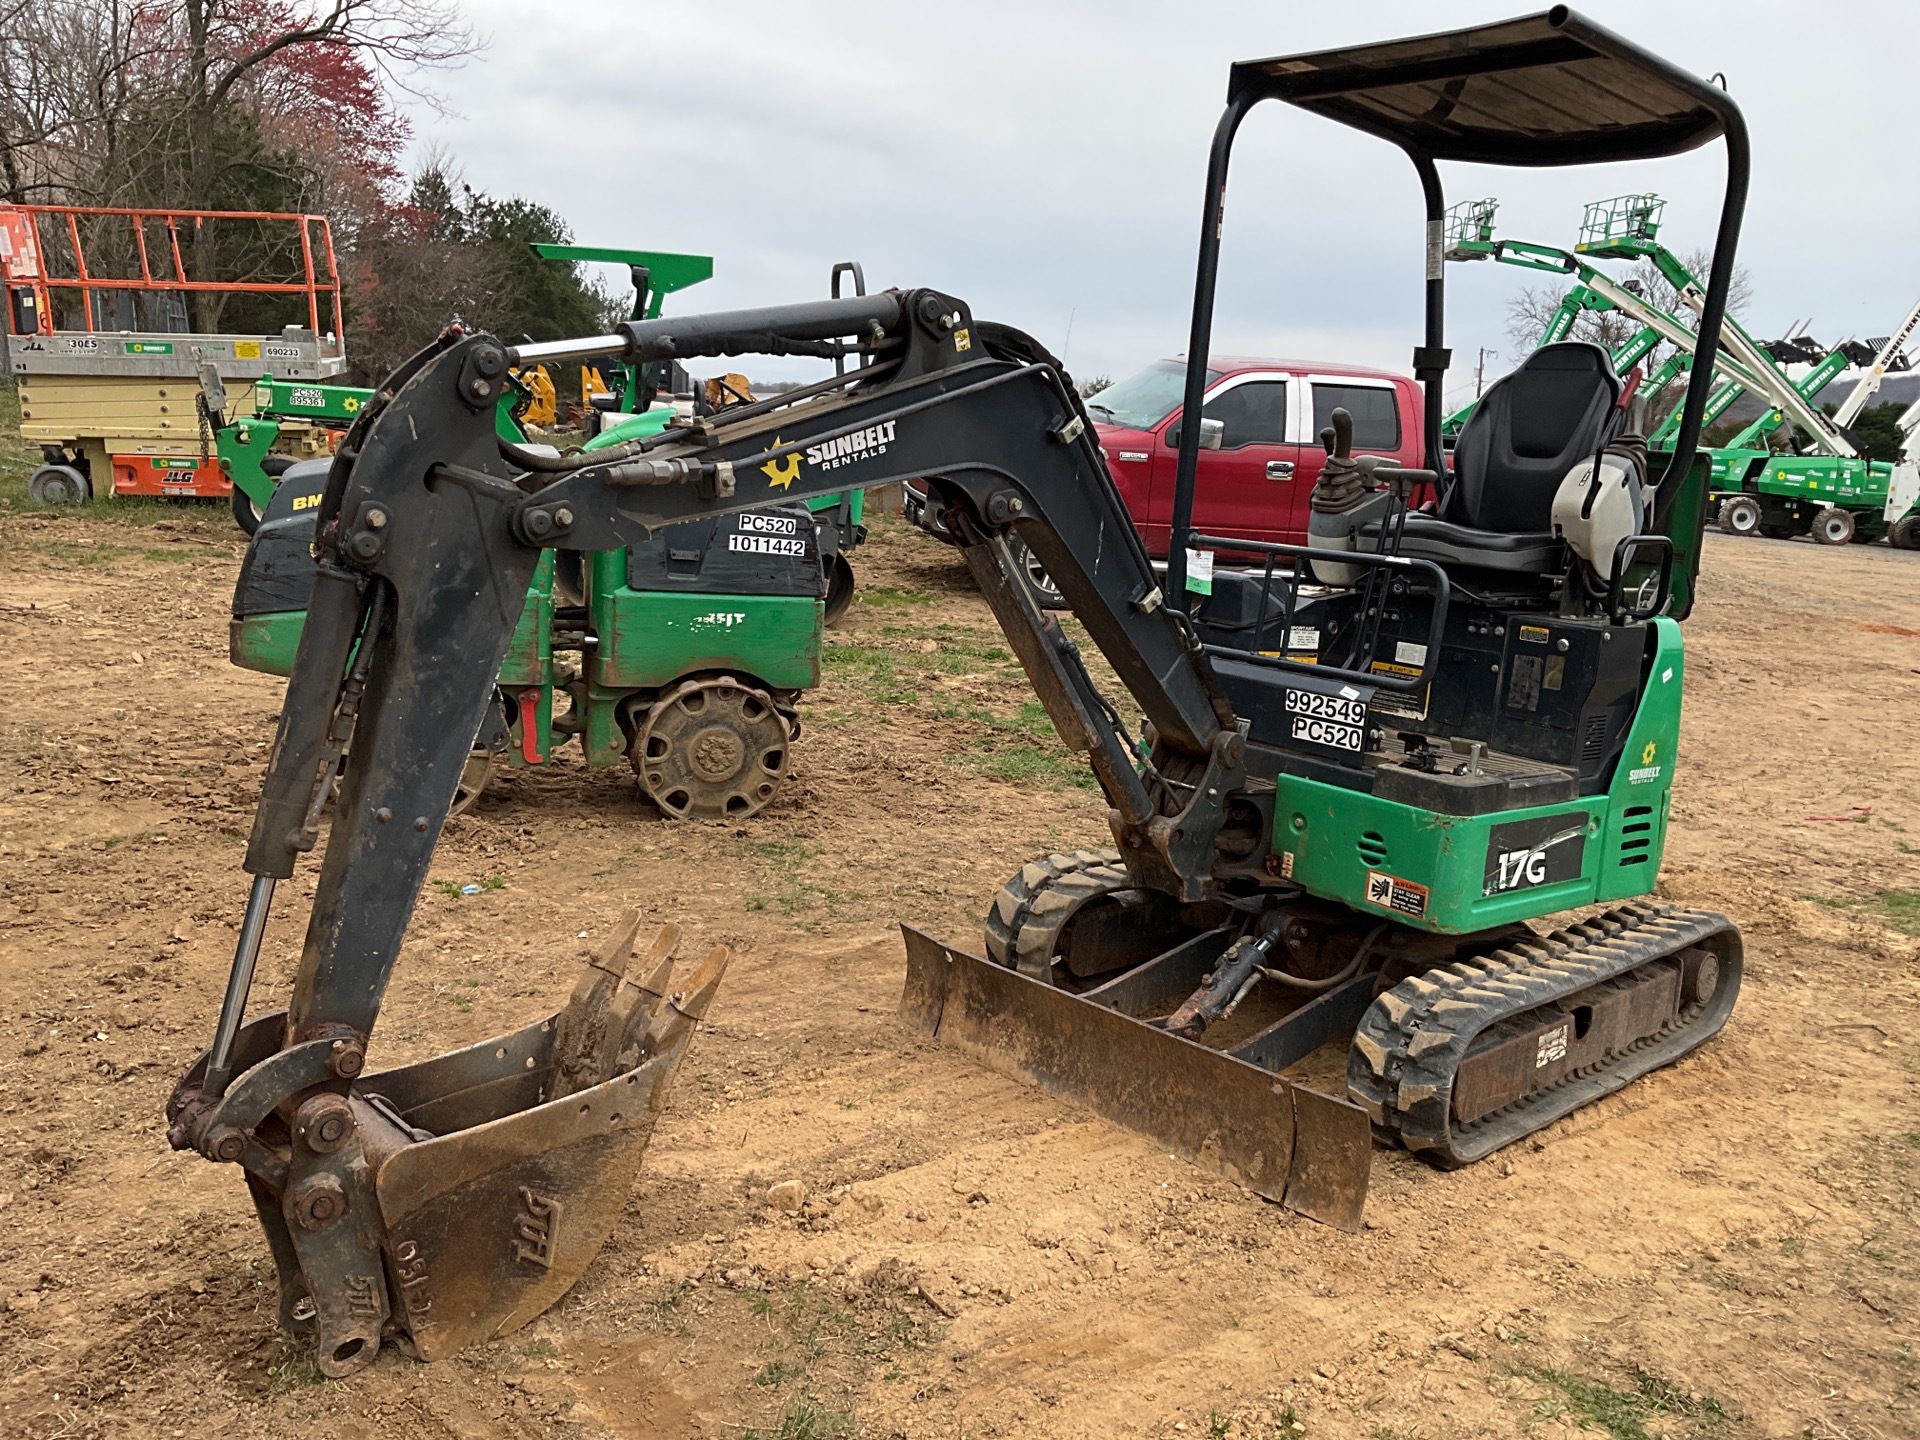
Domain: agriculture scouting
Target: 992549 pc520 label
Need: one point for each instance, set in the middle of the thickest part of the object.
(1320, 718)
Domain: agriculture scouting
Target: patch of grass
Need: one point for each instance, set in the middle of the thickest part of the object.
(1902, 909)
(87, 553)
(294, 1374)
(1623, 1414)
(778, 1372)
(873, 670)
(805, 1420)
(666, 1311)
(1023, 750)
(539, 1350)
(1793, 1247)
(1897, 908)
(786, 852)
(967, 657)
(891, 597)
(1029, 765)
(487, 882)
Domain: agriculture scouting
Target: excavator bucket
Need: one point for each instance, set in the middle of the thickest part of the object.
(483, 1181)
(1308, 1151)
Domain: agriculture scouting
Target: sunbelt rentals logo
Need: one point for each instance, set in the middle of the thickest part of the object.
(849, 449)
(782, 472)
(831, 454)
(1647, 770)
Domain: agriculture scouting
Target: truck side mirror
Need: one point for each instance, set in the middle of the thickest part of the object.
(1212, 432)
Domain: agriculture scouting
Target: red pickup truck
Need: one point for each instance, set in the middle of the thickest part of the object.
(1255, 485)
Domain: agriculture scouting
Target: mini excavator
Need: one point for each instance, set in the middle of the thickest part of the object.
(1365, 766)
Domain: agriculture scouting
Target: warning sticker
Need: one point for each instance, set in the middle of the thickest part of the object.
(1390, 892)
(1534, 634)
(1408, 705)
(1552, 1047)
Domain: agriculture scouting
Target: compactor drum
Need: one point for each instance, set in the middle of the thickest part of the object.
(1370, 769)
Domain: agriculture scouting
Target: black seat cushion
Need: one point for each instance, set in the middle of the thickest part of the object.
(1529, 429)
(1427, 537)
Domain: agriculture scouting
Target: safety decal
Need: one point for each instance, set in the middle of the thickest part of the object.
(1390, 892)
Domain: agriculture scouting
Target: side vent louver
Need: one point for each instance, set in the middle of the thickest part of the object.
(1373, 849)
(1636, 834)
(1593, 743)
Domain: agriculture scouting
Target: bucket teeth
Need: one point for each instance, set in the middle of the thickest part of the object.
(609, 1005)
(660, 1026)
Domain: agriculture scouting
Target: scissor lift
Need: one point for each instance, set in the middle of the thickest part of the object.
(110, 329)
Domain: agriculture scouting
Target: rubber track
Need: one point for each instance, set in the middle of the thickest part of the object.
(1413, 1037)
(1026, 917)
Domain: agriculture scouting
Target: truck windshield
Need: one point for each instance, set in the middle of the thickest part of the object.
(1143, 400)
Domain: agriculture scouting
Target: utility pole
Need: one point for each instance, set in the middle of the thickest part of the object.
(1480, 373)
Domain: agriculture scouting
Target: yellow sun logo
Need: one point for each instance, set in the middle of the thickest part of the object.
(782, 472)
(1646, 755)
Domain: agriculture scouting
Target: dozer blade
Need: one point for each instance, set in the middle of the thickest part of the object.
(482, 1182)
(1309, 1151)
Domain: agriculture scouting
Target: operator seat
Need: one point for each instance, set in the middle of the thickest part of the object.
(1528, 431)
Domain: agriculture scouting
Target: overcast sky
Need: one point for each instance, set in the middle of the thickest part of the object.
(1045, 161)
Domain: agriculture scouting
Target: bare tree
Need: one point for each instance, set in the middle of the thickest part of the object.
(68, 69)
(225, 42)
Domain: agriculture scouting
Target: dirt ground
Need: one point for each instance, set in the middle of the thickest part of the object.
(1728, 1248)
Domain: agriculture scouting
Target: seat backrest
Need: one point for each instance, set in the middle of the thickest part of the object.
(1529, 429)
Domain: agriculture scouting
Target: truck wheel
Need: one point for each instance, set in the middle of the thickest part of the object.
(474, 775)
(1833, 526)
(1035, 574)
(839, 588)
(1740, 515)
(58, 485)
(1905, 534)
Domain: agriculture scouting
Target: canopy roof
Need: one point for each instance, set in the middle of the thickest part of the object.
(1548, 89)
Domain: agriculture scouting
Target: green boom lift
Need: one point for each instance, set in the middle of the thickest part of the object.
(1830, 491)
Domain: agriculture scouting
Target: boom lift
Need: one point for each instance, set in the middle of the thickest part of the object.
(1304, 852)
(1831, 491)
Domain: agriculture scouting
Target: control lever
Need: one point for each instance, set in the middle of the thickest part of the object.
(1338, 437)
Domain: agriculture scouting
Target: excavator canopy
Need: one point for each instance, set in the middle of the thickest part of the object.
(1548, 89)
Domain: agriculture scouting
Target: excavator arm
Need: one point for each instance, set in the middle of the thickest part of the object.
(429, 530)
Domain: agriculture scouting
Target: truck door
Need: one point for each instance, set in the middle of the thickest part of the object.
(1247, 487)
(1378, 429)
